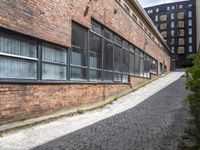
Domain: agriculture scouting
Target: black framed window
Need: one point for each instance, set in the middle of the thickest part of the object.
(95, 57)
(141, 64)
(18, 57)
(118, 58)
(79, 52)
(108, 60)
(126, 62)
(108, 55)
(54, 62)
(137, 62)
(132, 61)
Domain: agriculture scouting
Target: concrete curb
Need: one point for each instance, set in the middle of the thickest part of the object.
(13, 127)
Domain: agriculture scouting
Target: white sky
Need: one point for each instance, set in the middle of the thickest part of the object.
(148, 3)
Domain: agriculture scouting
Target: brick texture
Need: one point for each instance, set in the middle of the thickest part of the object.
(24, 101)
(51, 20)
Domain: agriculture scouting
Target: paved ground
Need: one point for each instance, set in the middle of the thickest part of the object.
(151, 118)
(154, 124)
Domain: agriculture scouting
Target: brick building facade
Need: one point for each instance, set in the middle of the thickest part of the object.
(177, 24)
(58, 54)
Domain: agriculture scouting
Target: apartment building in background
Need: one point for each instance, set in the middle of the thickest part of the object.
(56, 55)
(177, 24)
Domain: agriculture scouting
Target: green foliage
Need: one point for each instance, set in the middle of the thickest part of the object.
(116, 98)
(80, 111)
(193, 83)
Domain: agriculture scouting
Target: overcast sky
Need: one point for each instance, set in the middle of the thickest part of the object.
(148, 3)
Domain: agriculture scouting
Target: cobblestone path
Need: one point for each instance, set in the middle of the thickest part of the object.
(155, 124)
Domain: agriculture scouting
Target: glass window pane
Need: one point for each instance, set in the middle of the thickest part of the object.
(137, 61)
(79, 36)
(17, 68)
(117, 77)
(107, 76)
(126, 62)
(95, 61)
(118, 58)
(126, 45)
(95, 51)
(97, 28)
(79, 57)
(132, 63)
(108, 55)
(125, 78)
(141, 67)
(78, 73)
(118, 40)
(95, 75)
(95, 43)
(17, 46)
(54, 72)
(108, 34)
(54, 54)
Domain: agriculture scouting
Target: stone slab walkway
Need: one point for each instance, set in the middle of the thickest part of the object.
(149, 118)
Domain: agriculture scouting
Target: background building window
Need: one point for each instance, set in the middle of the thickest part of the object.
(189, 23)
(172, 41)
(190, 40)
(163, 26)
(156, 18)
(163, 18)
(172, 33)
(189, 5)
(172, 16)
(190, 49)
(180, 15)
(181, 32)
(181, 41)
(180, 24)
(190, 31)
(18, 57)
(180, 6)
(164, 34)
(172, 25)
(172, 50)
(190, 14)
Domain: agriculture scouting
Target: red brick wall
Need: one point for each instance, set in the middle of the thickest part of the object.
(26, 101)
(51, 20)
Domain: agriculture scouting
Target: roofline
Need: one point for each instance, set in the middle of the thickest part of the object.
(167, 4)
(150, 22)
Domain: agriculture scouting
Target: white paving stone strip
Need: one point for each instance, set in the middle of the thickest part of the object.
(37, 135)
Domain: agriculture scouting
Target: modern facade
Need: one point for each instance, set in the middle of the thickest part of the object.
(56, 55)
(177, 24)
(198, 24)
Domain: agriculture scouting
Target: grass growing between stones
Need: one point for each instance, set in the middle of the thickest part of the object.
(116, 98)
(80, 111)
